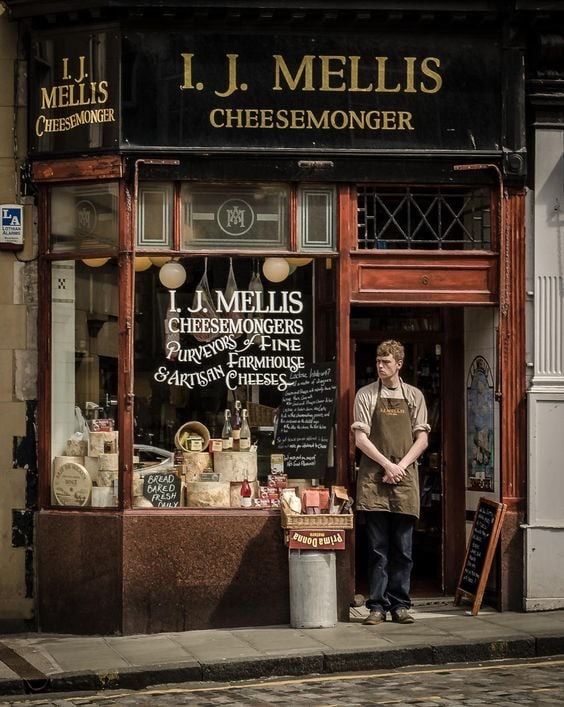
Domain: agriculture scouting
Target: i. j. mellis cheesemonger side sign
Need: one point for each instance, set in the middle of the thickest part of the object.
(275, 92)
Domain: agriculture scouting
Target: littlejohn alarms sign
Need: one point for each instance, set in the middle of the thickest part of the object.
(304, 93)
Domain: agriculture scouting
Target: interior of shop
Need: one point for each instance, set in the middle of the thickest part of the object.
(420, 331)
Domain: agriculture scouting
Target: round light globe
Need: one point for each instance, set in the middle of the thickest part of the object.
(141, 263)
(95, 262)
(172, 275)
(159, 260)
(276, 269)
(299, 261)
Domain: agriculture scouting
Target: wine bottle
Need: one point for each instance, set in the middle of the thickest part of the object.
(246, 494)
(227, 432)
(236, 424)
(245, 435)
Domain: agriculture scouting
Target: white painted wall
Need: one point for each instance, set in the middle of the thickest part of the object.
(544, 531)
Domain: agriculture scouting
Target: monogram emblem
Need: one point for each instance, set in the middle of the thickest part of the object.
(235, 217)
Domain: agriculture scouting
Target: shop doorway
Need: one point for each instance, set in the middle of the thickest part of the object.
(434, 346)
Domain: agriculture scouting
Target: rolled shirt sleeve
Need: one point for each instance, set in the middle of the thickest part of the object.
(364, 403)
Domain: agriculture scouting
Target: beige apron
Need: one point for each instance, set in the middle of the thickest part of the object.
(392, 435)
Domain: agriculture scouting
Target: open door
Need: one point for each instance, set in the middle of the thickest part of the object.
(430, 364)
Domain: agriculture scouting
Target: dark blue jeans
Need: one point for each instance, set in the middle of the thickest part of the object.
(390, 538)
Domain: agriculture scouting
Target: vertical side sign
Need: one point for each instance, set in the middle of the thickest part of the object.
(74, 100)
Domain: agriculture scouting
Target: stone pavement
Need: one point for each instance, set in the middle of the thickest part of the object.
(441, 634)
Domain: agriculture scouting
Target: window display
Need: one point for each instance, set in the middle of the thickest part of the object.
(84, 370)
(213, 361)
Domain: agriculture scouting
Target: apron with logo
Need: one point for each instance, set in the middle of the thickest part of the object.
(392, 435)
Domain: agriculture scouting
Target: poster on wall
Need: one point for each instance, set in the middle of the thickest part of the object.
(480, 426)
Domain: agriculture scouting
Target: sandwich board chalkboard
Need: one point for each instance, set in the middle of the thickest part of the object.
(480, 552)
(306, 420)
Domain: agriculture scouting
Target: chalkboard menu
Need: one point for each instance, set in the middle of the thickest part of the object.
(479, 554)
(306, 419)
(162, 489)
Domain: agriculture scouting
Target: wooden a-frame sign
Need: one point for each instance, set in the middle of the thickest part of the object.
(480, 552)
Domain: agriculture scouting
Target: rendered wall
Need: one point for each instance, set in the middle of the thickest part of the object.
(544, 531)
(18, 359)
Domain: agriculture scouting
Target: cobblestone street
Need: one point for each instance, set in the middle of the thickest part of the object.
(507, 683)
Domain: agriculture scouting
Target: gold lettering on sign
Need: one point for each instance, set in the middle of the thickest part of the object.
(305, 68)
(76, 93)
(304, 119)
(333, 72)
(431, 74)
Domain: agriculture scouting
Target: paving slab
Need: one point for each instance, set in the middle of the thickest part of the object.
(269, 641)
(149, 650)
(346, 635)
(84, 654)
(33, 653)
(215, 645)
(6, 673)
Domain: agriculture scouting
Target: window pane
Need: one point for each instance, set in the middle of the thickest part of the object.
(316, 218)
(84, 217)
(235, 216)
(424, 218)
(84, 370)
(155, 216)
(202, 350)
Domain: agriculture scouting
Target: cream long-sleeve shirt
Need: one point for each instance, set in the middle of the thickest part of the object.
(365, 402)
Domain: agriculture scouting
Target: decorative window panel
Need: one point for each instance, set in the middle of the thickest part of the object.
(155, 215)
(84, 217)
(235, 216)
(317, 218)
(424, 218)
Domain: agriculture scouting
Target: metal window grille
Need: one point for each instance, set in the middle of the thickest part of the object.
(428, 218)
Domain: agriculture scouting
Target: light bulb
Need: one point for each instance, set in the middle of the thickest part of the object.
(159, 261)
(95, 262)
(142, 263)
(172, 275)
(299, 261)
(275, 269)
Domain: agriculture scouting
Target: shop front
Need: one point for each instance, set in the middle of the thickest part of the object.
(228, 216)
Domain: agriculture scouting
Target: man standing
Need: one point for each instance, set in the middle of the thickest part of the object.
(391, 431)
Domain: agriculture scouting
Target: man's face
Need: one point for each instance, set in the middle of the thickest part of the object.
(387, 367)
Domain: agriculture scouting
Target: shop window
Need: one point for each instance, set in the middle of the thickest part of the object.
(216, 340)
(84, 370)
(424, 218)
(84, 218)
(317, 218)
(235, 216)
(155, 215)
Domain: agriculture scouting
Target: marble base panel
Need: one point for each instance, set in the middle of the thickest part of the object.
(129, 573)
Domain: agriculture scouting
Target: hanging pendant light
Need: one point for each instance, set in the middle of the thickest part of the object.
(172, 275)
(160, 260)
(95, 262)
(299, 261)
(141, 263)
(275, 269)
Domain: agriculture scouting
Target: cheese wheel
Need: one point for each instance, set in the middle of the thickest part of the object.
(72, 484)
(235, 466)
